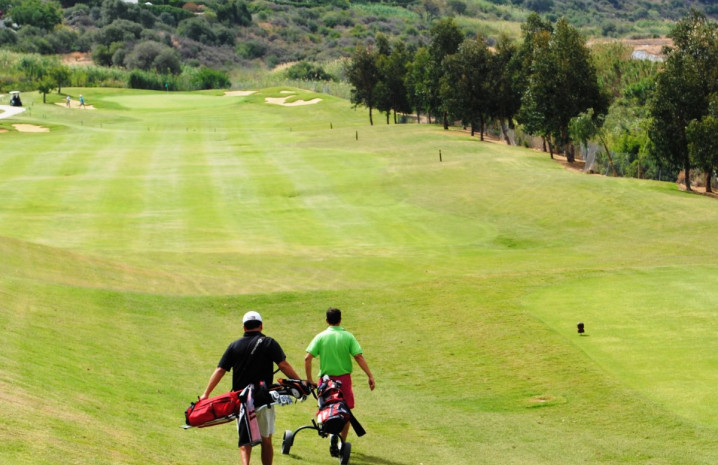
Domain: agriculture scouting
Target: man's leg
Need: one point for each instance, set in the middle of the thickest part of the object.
(266, 419)
(345, 432)
(267, 451)
(246, 453)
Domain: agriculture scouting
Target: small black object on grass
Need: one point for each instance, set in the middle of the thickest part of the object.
(580, 328)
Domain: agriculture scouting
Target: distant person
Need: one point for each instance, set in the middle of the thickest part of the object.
(82, 101)
(67, 101)
(252, 369)
(335, 348)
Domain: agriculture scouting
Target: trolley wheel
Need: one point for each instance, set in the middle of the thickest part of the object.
(345, 453)
(287, 441)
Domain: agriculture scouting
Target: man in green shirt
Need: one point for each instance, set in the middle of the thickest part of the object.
(335, 348)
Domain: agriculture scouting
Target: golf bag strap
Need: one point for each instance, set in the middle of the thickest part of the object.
(256, 341)
(358, 429)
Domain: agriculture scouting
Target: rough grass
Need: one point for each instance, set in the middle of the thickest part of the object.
(134, 236)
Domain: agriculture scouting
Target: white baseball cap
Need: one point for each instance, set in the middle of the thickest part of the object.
(251, 316)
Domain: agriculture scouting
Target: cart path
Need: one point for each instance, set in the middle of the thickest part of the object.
(8, 111)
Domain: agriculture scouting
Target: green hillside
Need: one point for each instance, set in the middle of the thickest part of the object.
(134, 235)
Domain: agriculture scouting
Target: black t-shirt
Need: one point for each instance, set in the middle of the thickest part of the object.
(251, 369)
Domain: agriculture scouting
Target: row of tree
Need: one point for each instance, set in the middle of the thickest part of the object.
(549, 85)
(541, 84)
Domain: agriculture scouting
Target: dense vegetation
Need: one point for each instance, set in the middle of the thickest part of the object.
(165, 34)
(652, 118)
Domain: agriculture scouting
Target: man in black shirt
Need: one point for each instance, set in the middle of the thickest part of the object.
(252, 357)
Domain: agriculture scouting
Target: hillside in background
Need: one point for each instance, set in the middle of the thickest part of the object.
(230, 34)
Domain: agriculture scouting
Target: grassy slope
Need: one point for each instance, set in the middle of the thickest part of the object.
(133, 236)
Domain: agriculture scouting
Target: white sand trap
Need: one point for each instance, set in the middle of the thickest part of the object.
(239, 93)
(283, 101)
(75, 105)
(287, 92)
(30, 128)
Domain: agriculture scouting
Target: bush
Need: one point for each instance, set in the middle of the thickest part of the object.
(7, 37)
(208, 78)
(251, 49)
(44, 15)
(197, 29)
(308, 71)
(167, 62)
(143, 55)
(151, 81)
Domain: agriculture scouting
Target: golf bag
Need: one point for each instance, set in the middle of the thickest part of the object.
(213, 411)
(333, 412)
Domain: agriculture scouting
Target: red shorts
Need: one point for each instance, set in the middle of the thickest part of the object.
(346, 389)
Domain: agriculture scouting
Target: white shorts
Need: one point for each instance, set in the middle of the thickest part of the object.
(265, 418)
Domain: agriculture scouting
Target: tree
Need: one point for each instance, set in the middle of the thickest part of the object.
(60, 76)
(562, 83)
(233, 12)
(43, 14)
(683, 89)
(167, 62)
(199, 29)
(445, 40)
(464, 83)
(417, 79)
(703, 143)
(143, 55)
(44, 86)
(504, 99)
(586, 126)
(363, 75)
(534, 49)
(392, 65)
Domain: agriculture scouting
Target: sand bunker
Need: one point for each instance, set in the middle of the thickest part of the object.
(283, 101)
(239, 93)
(30, 128)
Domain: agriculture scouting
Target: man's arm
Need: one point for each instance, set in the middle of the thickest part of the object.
(365, 366)
(308, 367)
(213, 381)
(287, 369)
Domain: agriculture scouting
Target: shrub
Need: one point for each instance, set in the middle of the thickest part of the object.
(143, 55)
(251, 49)
(208, 78)
(167, 62)
(7, 37)
(308, 71)
(151, 81)
(197, 29)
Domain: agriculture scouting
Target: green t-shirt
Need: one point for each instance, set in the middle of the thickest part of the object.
(335, 348)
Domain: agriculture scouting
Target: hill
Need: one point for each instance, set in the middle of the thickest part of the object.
(135, 235)
(227, 35)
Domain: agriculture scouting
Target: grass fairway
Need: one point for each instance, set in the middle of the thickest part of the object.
(135, 235)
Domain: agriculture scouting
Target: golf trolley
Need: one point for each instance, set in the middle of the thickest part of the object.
(331, 418)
